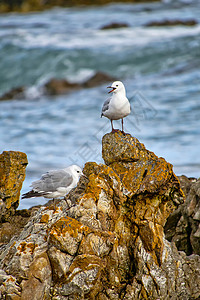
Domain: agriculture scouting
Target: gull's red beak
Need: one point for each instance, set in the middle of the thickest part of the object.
(110, 87)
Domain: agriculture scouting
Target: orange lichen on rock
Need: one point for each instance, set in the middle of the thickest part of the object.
(148, 183)
(67, 225)
(44, 218)
(25, 247)
(12, 175)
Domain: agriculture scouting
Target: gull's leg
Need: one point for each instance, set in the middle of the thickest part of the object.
(54, 203)
(113, 130)
(123, 126)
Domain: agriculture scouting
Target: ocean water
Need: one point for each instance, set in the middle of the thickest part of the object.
(160, 67)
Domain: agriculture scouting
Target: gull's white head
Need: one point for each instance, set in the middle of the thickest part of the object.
(117, 86)
(76, 171)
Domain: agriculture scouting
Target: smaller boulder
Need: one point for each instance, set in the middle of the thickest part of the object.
(114, 25)
(190, 22)
(17, 92)
(60, 86)
(183, 225)
(98, 79)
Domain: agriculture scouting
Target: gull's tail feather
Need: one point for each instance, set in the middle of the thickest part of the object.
(32, 194)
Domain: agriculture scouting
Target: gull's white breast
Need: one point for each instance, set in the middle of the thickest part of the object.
(119, 107)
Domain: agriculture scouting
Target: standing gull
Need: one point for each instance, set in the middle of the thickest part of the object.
(56, 183)
(117, 106)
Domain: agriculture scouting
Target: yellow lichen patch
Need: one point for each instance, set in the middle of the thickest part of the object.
(66, 234)
(120, 168)
(11, 279)
(44, 218)
(133, 179)
(12, 174)
(32, 247)
(25, 247)
(13, 244)
(94, 186)
(69, 225)
(22, 247)
(90, 168)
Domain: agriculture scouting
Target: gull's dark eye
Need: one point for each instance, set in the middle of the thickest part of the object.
(116, 84)
(78, 171)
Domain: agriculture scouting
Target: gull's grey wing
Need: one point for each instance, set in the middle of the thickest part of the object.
(52, 180)
(105, 106)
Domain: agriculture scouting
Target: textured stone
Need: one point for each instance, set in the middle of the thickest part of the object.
(106, 240)
(183, 225)
(12, 175)
(14, 226)
(38, 279)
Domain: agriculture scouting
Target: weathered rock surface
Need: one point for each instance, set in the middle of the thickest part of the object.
(106, 240)
(12, 175)
(183, 225)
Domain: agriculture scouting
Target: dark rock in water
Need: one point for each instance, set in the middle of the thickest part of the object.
(190, 22)
(60, 86)
(98, 79)
(17, 92)
(114, 26)
(183, 225)
(106, 239)
(12, 175)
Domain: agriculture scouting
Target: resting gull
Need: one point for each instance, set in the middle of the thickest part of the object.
(117, 106)
(56, 183)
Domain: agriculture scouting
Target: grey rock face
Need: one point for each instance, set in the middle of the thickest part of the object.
(183, 225)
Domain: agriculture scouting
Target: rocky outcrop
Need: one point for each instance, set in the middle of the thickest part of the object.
(12, 175)
(106, 240)
(183, 225)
